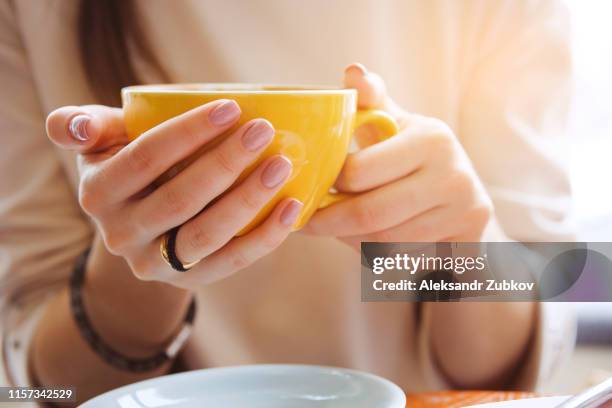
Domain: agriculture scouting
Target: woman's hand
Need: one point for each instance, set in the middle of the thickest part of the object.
(417, 186)
(116, 188)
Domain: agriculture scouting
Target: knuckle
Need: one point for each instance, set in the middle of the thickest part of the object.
(440, 127)
(142, 269)
(365, 217)
(206, 182)
(191, 133)
(139, 158)
(459, 183)
(272, 240)
(89, 199)
(197, 238)
(248, 199)
(239, 260)
(225, 162)
(481, 214)
(440, 142)
(175, 202)
(118, 239)
(440, 137)
(382, 236)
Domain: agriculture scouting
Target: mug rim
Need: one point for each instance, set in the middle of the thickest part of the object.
(236, 88)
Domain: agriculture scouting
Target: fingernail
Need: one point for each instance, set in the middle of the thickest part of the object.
(258, 135)
(291, 212)
(276, 172)
(224, 113)
(78, 127)
(358, 68)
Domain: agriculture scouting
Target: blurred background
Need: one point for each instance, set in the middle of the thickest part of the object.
(591, 125)
(591, 120)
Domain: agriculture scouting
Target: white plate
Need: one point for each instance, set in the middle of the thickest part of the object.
(548, 402)
(257, 386)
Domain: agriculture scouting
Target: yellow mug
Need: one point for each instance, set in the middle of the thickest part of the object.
(313, 128)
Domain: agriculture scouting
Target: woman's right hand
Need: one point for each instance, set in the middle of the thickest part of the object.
(116, 188)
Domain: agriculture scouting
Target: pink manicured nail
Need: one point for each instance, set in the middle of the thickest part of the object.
(276, 172)
(224, 113)
(358, 68)
(78, 127)
(291, 212)
(258, 135)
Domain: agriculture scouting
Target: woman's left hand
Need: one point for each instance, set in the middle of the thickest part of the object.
(418, 186)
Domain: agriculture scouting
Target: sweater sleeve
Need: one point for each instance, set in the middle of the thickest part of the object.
(42, 229)
(512, 123)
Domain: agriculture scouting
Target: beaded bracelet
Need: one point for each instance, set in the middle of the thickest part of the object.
(105, 351)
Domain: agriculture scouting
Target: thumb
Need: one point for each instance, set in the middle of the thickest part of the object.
(372, 93)
(371, 89)
(86, 129)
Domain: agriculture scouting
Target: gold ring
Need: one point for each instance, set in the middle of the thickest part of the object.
(167, 248)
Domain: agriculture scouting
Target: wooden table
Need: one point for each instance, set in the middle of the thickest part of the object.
(457, 399)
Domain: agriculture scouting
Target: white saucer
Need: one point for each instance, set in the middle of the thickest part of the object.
(257, 386)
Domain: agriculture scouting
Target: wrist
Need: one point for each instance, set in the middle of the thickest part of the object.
(491, 358)
(131, 315)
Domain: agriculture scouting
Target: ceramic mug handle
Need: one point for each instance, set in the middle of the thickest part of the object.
(387, 127)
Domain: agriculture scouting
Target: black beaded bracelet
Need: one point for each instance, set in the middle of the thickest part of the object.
(105, 351)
